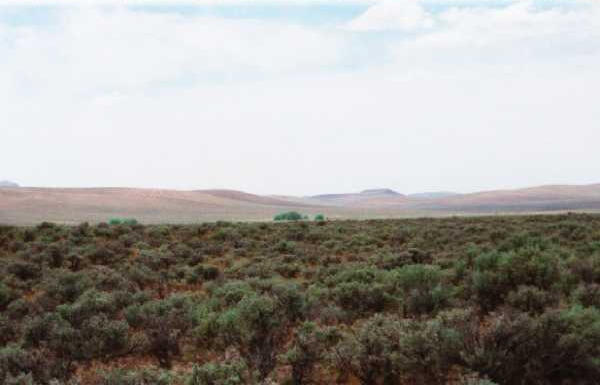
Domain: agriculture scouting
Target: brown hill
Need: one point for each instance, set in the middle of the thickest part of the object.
(27, 205)
(541, 198)
(33, 205)
(244, 197)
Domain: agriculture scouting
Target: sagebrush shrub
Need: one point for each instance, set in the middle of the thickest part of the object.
(460, 300)
(231, 373)
(423, 288)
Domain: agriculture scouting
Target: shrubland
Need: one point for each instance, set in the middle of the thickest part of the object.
(487, 300)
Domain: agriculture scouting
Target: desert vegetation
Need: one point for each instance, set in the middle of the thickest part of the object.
(289, 216)
(122, 221)
(478, 301)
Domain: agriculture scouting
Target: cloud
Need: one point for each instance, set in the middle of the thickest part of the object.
(459, 97)
(483, 40)
(406, 15)
(96, 50)
(85, 3)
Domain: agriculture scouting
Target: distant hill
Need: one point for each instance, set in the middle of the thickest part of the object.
(379, 191)
(244, 197)
(365, 198)
(532, 199)
(26, 205)
(433, 195)
(7, 183)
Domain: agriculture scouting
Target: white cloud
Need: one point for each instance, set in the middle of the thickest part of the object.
(94, 50)
(405, 15)
(487, 40)
(85, 3)
(521, 20)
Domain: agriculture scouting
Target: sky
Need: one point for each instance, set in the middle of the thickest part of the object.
(300, 97)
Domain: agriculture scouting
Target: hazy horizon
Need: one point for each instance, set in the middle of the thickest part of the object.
(291, 98)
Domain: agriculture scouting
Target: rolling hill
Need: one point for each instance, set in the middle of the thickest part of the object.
(30, 205)
(541, 198)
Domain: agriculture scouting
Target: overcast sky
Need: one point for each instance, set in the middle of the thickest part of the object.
(300, 97)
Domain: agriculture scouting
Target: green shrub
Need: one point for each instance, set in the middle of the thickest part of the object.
(55, 255)
(588, 295)
(20, 308)
(204, 272)
(21, 379)
(13, 361)
(389, 350)
(422, 288)
(7, 330)
(586, 268)
(475, 380)
(256, 326)
(289, 297)
(429, 350)
(102, 255)
(288, 216)
(288, 270)
(362, 290)
(556, 347)
(65, 286)
(231, 292)
(308, 350)
(496, 274)
(513, 300)
(100, 337)
(163, 323)
(531, 299)
(93, 337)
(131, 377)
(285, 247)
(90, 303)
(232, 373)
(369, 353)
(6, 296)
(122, 221)
(24, 270)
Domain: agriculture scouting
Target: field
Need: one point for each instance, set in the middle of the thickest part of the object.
(478, 301)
